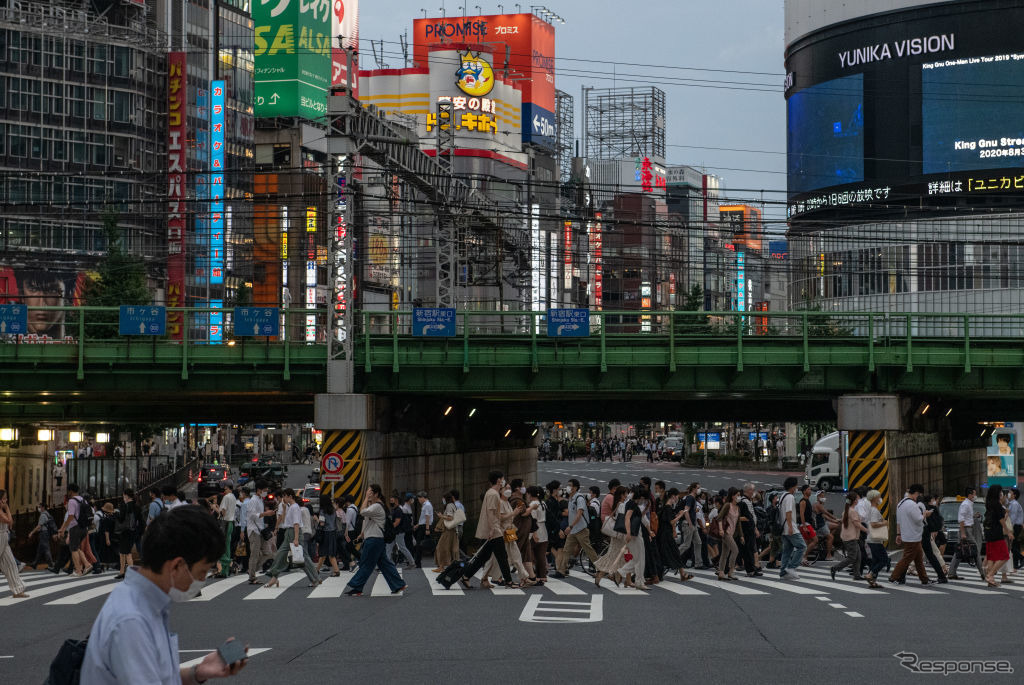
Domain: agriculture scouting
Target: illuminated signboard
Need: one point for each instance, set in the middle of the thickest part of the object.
(474, 77)
(176, 183)
(537, 282)
(216, 256)
(597, 257)
(217, 322)
(344, 34)
(741, 282)
(310, 219)
(469, 120)
(292, 40)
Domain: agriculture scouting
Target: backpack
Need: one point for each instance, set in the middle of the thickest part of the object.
(934, 523)
(389, 534)
(51, 525)
(125, 519)
(85, 513)
(761, 518)
(357, 525)
(779, 518)
(551, 521)
(66, 667)
(585, 508)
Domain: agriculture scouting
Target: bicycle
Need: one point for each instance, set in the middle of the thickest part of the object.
(583, 561)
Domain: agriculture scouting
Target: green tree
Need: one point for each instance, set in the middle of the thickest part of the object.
(822, 326)
(695, 324)
(121, 279)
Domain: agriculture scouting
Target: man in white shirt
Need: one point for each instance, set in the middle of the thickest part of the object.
(292, 543)
(424, 525)
(965, 518)
(259, 549)
(1017, 521)
(228, 507)
(910, 516)
(793, 544)
(863, 508)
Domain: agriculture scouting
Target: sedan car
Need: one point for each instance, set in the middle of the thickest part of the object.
(949, 508)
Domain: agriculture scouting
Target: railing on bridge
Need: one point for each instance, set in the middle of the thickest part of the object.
(639, 338)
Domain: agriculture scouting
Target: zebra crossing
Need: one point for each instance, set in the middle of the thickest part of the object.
(51, 590)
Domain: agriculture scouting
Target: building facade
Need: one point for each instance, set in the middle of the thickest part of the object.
(82, 121)
(905, 172)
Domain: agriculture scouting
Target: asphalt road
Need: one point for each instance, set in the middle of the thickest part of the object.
(763, 631)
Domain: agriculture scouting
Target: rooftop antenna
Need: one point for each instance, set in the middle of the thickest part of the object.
(424, 12)
(479, 9)
(501, 9)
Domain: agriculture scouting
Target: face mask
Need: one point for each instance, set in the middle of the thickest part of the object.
(506, 492)
(193, 590)
(522, 491)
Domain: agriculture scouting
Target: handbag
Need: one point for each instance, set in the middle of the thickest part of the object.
(458, 518)
(1007, 527)
(510, 535)
(296, 552)
(879, 534)
(267, 533)
(807, 531)
(620, 523)
(608, 527)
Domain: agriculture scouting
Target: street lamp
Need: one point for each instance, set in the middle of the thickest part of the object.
(8, 434)
(45, 435)
(103, 437)
(75, 436)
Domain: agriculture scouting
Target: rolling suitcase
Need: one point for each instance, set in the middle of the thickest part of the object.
(452, 573)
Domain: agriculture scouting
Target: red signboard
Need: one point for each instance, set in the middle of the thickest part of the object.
(567, 245)
(177, 89)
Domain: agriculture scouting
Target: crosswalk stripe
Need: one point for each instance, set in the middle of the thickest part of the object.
(679, 588)
(728, 586)
(438, 589)
(331, 587)
(84, 595)
(34, 581)
(285, 582)
(785, 586)
(854, 589)
(381, 588)
(214, 590)
(50, 590)
(886, 586)
(971, 582)
(559, 587)
(607, 584)
(499, 590)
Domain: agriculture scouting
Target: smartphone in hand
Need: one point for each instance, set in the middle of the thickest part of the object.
(232, 651)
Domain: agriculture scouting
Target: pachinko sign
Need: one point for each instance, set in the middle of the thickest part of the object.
(176, 141)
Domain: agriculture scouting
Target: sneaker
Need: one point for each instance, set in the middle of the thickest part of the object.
(783, 573)
(21, 566)
(832, 572)
(953, 576)
(941, 581)
(558, 574)
(400, 590)
(354, 593)
(792, 575)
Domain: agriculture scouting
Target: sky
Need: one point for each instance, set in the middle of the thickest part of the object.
(665, 43)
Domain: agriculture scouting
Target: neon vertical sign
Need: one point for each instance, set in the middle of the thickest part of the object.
(176, 179)
(216, 256)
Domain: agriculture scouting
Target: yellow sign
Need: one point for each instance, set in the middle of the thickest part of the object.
(467, 122)
(310, 219)
(475, 76)
(284, 244)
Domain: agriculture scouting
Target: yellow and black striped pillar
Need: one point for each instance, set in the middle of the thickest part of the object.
(349, 445)
(869, 465)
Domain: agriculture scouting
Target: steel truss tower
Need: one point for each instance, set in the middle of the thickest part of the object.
(624, 122)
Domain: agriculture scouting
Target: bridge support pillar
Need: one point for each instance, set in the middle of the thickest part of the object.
(405, 448)
(892, 445)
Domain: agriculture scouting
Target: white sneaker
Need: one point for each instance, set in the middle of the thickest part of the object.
(21, 566)
(791, 575)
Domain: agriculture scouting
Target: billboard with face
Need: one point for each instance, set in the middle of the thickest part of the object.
(37, 287)
(524, 54)
(1001, 458)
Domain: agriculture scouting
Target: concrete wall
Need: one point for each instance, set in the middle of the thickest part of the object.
(919, 458)
(409, 463)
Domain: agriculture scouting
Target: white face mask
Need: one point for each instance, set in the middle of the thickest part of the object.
(506, 492)
(522, 491)
(193, 590)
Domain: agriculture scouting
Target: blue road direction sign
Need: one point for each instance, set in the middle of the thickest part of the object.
(433, 322)
(568, 323)
(257, 321)
(13, 319)
(142, 320)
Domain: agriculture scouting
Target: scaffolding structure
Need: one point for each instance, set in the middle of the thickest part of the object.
(622, 123)
(565, 132)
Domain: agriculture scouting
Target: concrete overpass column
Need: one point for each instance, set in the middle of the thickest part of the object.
(403, 450)
(891, 447)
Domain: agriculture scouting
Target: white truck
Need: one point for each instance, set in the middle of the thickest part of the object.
(825, 467)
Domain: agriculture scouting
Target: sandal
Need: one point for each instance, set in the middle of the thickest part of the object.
(513, 586)
(465, 583)
(272, 583)
(683, 575)
(485, 584)
(991, 584)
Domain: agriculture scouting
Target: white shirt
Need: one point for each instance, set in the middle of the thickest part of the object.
(306, 523)
(293, 516)
(966, 513)
(350, 517)
(540, 516)
(863, 508)
(171, 505)
(427, 514)
(241, 510)
(253, 509)
(910, 519)
(788, 504)
(228, 505)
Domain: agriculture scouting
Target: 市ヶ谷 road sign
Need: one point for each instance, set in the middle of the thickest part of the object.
(331, 466)
(257, 321)
(433, 322)
(141, 320)
(568, 323)
(13, 319)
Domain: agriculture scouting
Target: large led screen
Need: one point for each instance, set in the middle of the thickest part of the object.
(972, 113)
(825, 137)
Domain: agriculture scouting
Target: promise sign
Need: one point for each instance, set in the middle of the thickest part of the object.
(293, 57)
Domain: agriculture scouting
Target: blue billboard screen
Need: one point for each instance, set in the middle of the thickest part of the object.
(825, 136)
